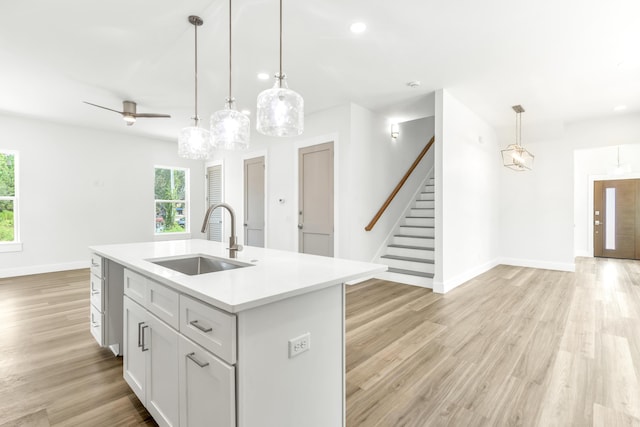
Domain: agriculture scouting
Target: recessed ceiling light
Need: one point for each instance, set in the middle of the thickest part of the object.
(358, 27)
(263, 76)
(246, 112)
(620, 108)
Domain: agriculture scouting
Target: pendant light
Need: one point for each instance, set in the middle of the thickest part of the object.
(620, 169)
(195, 142)
(515, 156)
(280, 110)
(230, 129)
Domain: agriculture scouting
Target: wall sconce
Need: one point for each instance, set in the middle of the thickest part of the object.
(395, 131)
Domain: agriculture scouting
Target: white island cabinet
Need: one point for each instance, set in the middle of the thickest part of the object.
(256, 346)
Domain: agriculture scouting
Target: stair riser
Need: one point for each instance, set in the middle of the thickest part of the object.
(432, 181)
(424, 204)
(422, 212)
(412, 253)
(420, 222)
(413, 241)
(426, 196)
(429, 189)
(409, 265)
(411, 231)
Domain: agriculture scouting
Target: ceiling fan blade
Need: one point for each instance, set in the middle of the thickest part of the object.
(104, 108)
(151, 115)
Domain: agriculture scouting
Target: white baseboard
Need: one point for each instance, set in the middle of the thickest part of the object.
(584, 254)
(444, 287)
(38, 269)
(544, 265)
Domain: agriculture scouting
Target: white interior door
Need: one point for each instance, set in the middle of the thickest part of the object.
(315, 199)
(214, 195)
(254, 202)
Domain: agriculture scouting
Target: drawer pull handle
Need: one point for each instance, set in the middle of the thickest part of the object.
(192, 356)
(142, 330)
(195, 324)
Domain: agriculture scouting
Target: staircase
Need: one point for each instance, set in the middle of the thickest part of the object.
(410, 254)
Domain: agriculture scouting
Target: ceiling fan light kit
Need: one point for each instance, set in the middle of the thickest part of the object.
(194, 142)
(280, 110)
(230, 129)
(129, 114)
(515, 156)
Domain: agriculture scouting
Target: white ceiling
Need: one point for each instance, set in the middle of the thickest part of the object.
(562, 60)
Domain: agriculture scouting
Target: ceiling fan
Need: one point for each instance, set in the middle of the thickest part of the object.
(129, 112)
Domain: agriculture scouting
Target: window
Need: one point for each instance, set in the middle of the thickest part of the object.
(171, 200)
(8, 198)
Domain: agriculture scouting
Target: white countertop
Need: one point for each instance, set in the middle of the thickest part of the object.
(274, 275)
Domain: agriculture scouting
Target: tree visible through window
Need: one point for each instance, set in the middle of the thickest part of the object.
(171, 199)
(8, 199)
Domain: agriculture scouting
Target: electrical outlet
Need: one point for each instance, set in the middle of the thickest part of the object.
(299, 345)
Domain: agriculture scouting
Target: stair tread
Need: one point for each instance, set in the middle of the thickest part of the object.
(415, 237)
(419, 217)
(411, 247)
(403, 258)
(418, 226)
(410, 273)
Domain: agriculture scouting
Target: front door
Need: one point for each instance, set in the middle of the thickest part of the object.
(616, 229)
(315, 200)
(254, 202)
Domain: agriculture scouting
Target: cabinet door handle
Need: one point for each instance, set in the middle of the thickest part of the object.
(140, 334)
(192, 356)
(95, 292)
(93, 264)
(195, 324)
(94, 324)
(142, 330)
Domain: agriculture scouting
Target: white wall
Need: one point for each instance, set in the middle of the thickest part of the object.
(81, 187)
(467, 194)
(368, 164)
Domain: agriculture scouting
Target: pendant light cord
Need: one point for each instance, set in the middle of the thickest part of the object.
(281, 76)
(230, 97)
(196, 118)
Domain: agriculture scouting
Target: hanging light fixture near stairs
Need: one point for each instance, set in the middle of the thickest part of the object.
(230, 129)
(280, 110)
(194, 142)
(515, 156)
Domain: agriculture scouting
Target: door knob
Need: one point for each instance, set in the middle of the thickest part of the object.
(300, 226)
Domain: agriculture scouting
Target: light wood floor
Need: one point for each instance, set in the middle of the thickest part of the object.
(514, 346)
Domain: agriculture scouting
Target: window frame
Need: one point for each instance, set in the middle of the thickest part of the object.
(186, 201)
(15, 245)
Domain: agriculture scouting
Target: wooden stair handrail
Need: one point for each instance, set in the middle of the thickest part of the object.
(386, 204)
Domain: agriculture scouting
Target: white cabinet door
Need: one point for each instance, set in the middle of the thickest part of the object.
(207, 388)
(162, 372)
(135, 330)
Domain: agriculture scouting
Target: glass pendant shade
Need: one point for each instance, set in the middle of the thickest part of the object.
(280, 111)
(230, 129)
(194, 142)
(517, 158)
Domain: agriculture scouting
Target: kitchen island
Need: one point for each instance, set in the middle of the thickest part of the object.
(259, 343)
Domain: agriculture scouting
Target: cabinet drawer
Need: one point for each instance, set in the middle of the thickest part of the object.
(96, 292)
(96, 265)
(135, 287)
(213, 329)
(163, 302)
(97, 320)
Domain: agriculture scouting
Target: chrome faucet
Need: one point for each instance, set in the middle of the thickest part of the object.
(233, 240)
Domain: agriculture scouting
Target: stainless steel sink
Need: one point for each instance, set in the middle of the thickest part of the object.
(198, 264)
